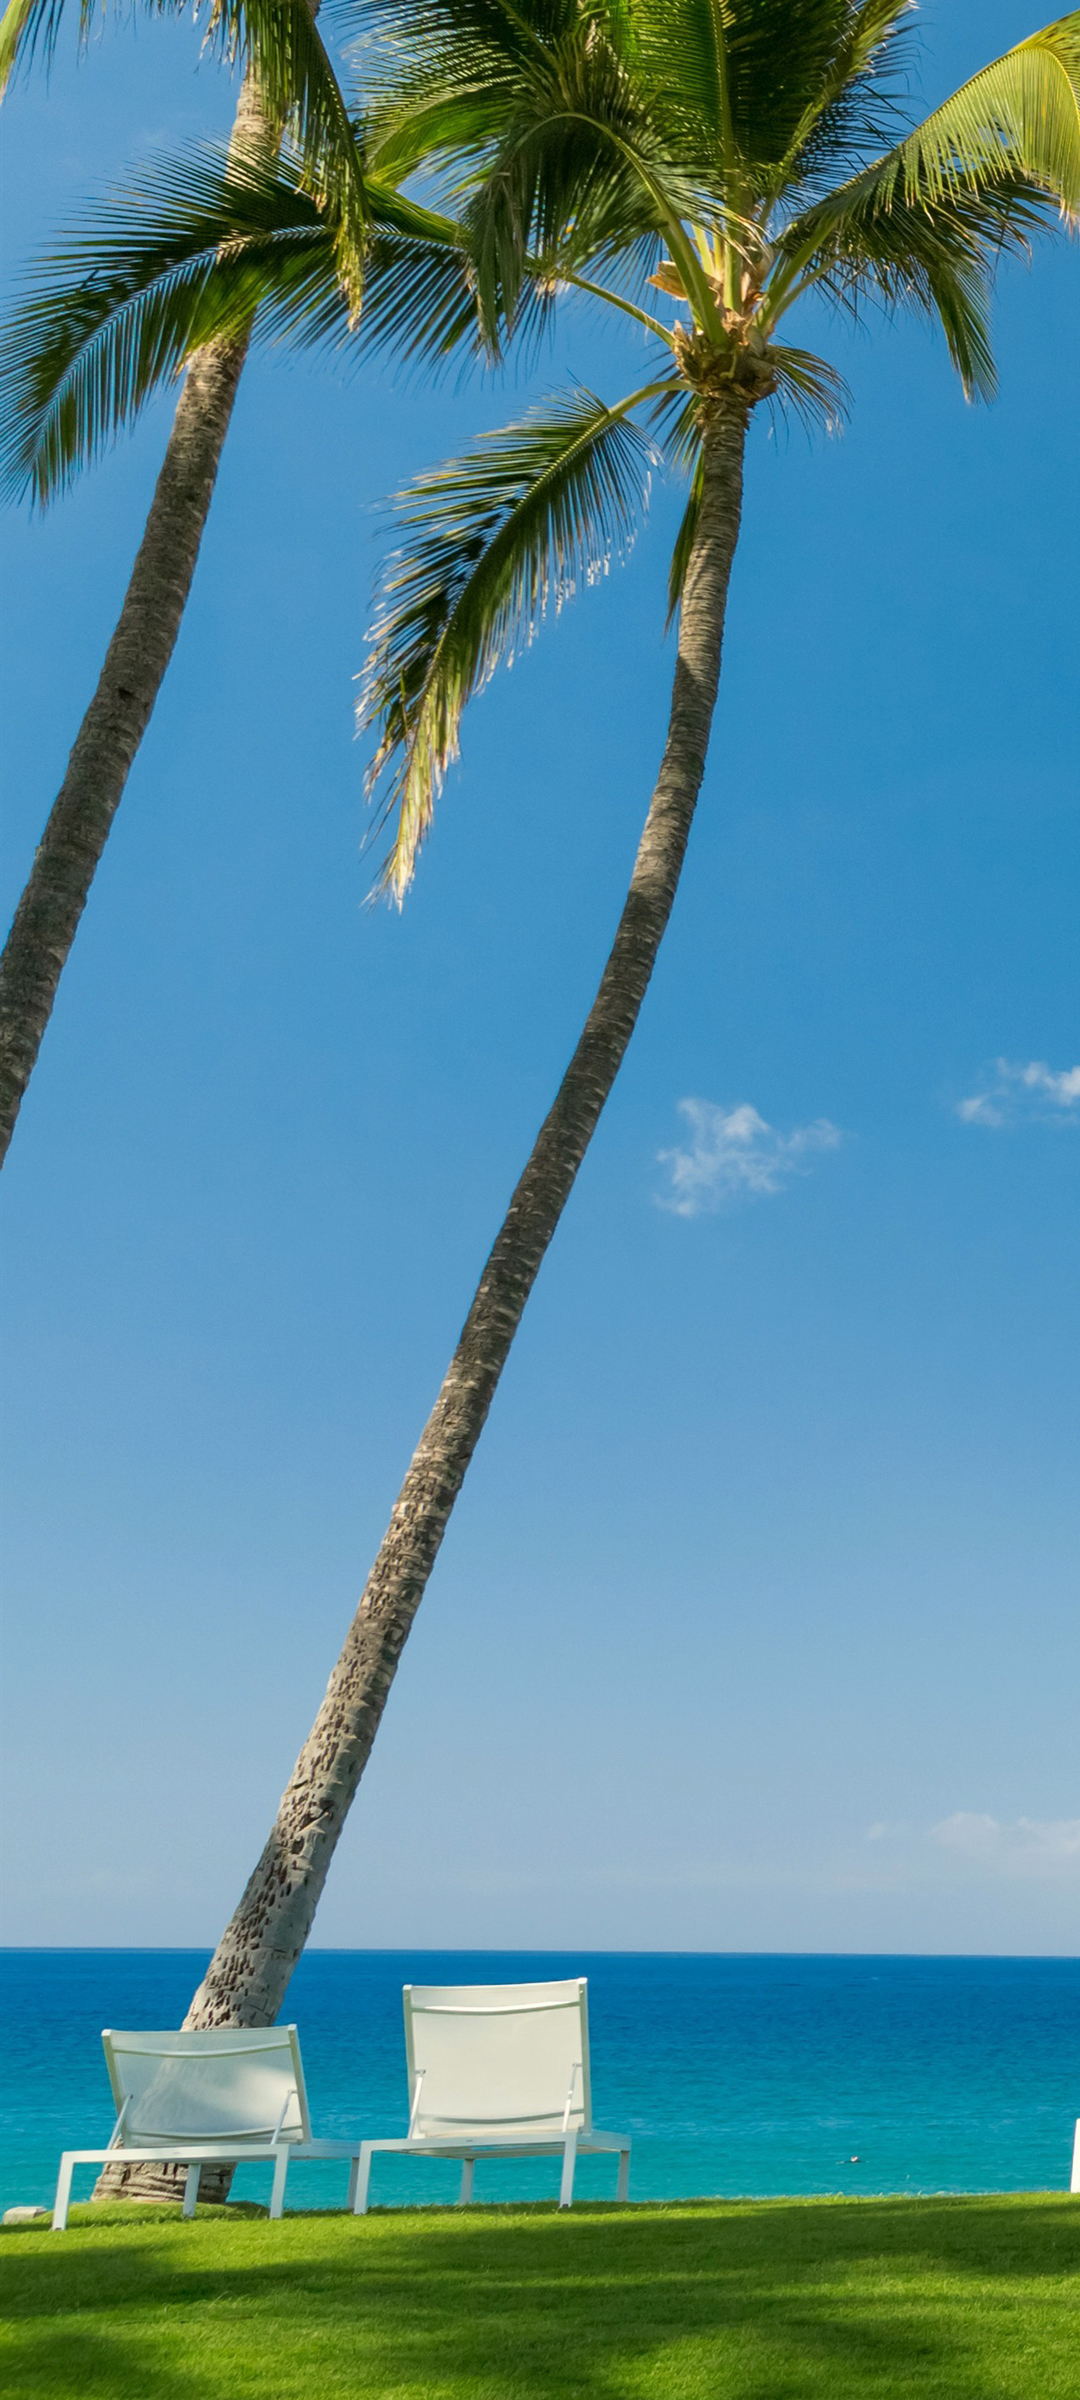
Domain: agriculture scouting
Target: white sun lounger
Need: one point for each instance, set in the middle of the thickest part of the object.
(1074, 2181)
(498, 2070)
(202, 2099)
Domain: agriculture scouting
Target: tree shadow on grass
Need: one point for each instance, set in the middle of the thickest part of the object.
(874, 2299)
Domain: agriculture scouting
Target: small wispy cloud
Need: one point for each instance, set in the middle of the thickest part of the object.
(734, 1154)
(1009, 1091)
(1040, 1846)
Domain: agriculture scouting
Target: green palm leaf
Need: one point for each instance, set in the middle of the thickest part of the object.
(24, 24)
(1012, 130)
(299, 90)
(178, 258)
(749, 70)
(494, 540)
(194, 249)
(1020, 116)
(301, 93)
(555, 137)
(925, 224)
(581, 167)
(853, 112)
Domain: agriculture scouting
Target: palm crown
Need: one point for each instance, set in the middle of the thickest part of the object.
(730, 156)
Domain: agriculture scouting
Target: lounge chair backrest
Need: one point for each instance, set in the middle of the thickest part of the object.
(506, 2058)
(220, 2086)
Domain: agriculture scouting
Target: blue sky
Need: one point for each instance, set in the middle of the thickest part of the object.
(756, 1624)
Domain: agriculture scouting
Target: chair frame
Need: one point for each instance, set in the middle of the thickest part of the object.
(572, 2142)
(277, 2149)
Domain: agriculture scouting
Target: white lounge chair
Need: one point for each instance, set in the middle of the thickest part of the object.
(498, 2070)
(1074, 2180)
(201, 2099)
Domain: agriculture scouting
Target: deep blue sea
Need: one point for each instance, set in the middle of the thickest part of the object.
(734, 2074)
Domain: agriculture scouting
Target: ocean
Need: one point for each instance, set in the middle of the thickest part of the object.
(734, 2074)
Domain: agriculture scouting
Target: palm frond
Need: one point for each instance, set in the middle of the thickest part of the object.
(678, 421)
(423, 46)
(494, 541)
(1012, 132)
(298, 89)
(810, 386)
(195, 249)
(926, 224)
(439, 75)
(683, 53)
(582, 165)
(937, 258)
(853, 113)
(758, 73)
(27, 23)
(177, 258)
(557, 152)
(1019, 117)
(300, 92)
(418, 302)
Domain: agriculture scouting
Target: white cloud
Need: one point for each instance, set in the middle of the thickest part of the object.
(1009, 1092)
(733, 1154)
(1029, 1846)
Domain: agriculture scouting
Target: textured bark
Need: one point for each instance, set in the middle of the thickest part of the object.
(250, 1971)
(67, 857)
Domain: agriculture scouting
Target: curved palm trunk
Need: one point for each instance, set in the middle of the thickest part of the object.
(246, 1981)
(67, 857)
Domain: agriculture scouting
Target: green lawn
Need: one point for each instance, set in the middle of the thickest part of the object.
(971, 2299)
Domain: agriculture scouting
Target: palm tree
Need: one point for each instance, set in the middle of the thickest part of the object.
(733, 156)
(289, 81)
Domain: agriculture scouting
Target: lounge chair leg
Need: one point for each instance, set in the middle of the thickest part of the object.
(62, 2202)
(468, 2170)
(360, 2179)
(1074, 2185)
(277, 2195)
(622, 2187)
(566, 2188)
(191, 2188)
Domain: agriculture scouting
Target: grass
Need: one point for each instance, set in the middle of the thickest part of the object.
(892, 2299)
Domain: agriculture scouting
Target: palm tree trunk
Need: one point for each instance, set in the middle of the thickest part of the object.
(248, 1975)
(48, 913)
(67, 857)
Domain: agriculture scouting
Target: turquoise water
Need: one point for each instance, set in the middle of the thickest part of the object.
(733, 2074)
